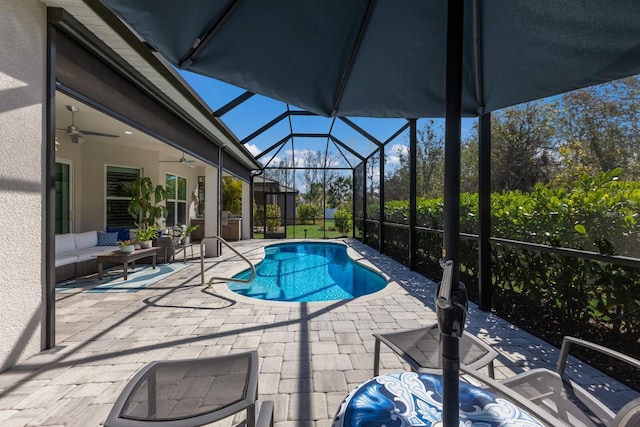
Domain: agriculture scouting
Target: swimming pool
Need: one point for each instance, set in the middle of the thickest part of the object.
(308, 271)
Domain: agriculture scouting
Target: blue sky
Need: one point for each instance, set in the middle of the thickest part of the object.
(258, 110)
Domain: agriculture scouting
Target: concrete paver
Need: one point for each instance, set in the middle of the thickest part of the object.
(311, 354)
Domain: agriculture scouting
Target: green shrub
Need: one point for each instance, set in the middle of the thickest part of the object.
(231, 195)
(273, 217)
(597, 214)
(307, 213)
(343, 221)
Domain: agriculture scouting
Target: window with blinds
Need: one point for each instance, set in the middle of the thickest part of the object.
(176, 187)
(119, 183)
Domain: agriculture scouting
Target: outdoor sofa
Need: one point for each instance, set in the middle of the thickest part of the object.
(76, 252)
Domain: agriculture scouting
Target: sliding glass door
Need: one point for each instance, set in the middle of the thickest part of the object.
(64, 197)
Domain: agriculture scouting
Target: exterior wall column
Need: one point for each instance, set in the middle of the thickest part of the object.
(23, 77)
(246, 211)
(211, 210)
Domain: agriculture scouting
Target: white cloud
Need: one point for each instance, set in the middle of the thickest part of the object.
(396, 150)
(253, 149)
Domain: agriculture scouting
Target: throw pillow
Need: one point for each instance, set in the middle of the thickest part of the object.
(107, 239)
(123, 233)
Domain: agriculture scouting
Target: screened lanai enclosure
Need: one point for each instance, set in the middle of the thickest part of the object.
(554, 248)
(537, 257)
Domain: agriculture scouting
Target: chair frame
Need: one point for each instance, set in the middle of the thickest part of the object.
(486, 360)
(560, 386)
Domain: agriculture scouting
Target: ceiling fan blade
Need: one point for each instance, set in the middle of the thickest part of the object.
(169, 161)
(88, 132)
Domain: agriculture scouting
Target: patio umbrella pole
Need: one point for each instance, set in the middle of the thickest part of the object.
(451, 299)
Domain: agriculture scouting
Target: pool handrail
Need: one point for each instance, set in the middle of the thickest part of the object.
(228, 279)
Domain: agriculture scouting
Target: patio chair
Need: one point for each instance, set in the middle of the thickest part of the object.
(557, 394)
(420, 348)
(193, 392)
(628, 415)
(264, 413)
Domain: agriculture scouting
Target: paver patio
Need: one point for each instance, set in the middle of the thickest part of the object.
(311, 354)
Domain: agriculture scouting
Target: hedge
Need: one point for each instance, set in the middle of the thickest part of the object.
(597, 214)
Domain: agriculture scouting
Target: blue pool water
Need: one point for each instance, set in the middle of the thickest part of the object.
(308, 272)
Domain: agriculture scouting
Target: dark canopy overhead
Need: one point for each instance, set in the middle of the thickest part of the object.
(386, 58)
(401, 58)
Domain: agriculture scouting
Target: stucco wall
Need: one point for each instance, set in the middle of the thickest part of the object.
(22, 95)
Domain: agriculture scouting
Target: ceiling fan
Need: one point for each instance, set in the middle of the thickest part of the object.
(76, 134)
(182, 160)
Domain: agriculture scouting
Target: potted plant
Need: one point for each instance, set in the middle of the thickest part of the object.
(126, 246)
(182, 233)
(146, 202)
(190, 229)
(146, 235)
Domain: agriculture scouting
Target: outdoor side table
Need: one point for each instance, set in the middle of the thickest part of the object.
(420, 348)
(189, 392)
(183, 248)
(415, 399)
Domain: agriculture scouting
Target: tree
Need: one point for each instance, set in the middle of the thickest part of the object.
(469, 174)
(429, 162)
(316, 175)
(282, 172)
(313, 196)
(339, 192)
(522, 140)
(598, 130)
(314, 162)
(373, 176)
(231, 195)
(396, 181)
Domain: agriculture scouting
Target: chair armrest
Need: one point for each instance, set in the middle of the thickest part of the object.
(264, 415)
(540, 413)
(566, 344)
(629, 415)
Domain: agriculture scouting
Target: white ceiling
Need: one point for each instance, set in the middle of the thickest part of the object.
(90, 119)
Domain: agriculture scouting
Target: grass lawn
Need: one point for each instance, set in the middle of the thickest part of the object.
(314, 231)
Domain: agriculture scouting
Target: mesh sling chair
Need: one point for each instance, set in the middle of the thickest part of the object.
(555, 393)
(192, 392)
(420, 348)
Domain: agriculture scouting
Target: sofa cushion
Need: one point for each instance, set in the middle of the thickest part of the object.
(86, 239)
(107, 239)
(65, 243)
(66, 258)
(123, 233)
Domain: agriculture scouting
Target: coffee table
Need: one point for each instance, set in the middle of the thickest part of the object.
(189, 392)
(126, 258)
